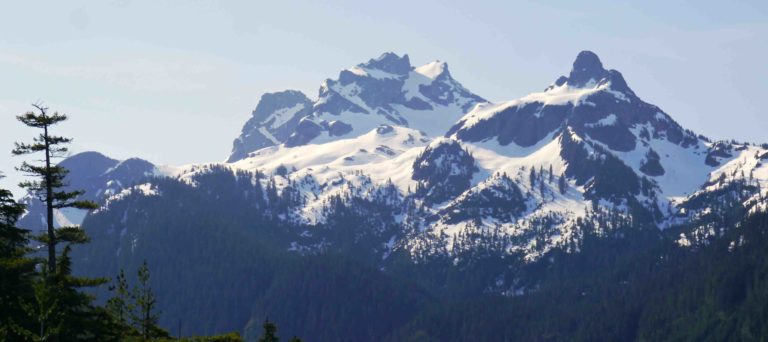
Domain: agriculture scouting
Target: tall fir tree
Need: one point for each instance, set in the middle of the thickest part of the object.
(58, 307)
(49, 185)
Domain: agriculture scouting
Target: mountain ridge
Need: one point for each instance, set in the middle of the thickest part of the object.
(582, 123)
(383, 90)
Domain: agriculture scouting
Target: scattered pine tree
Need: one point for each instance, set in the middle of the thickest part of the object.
(270, 332)
(145, 315)
(120, 305)
(561, 184)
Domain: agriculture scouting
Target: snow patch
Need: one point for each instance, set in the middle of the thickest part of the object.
(432, 70)
(283, 115)
(609, 120)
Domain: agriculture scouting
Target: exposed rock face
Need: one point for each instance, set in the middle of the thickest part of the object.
(305, 131)
(593, 101)
(275, 118)
(444, 170)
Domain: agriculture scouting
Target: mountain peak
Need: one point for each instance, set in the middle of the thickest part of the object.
(274, 119)
(587, 58)
(586, 67)
(434, 70)
(390, 62)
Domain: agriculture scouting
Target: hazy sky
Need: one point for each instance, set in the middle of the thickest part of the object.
(173, 81)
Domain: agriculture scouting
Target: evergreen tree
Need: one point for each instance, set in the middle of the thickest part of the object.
(58, 309)
(50, 177)
(532, 176)
(281, 170)
(80, 318)
(43, 311)
(561, 184)
(270, 332)
(145, 315)
(120, 305)
(16, 270)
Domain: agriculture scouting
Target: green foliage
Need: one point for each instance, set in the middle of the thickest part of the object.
(334, 299)
(145, 316)
(44, 312)
(50, 177)
(120, 306)
(270, 332)
(53, 303)
(16, 269)
(60, 310)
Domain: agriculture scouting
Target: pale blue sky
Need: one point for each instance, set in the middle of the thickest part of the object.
(173, 81)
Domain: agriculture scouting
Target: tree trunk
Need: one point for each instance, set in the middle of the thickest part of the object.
(49, 206)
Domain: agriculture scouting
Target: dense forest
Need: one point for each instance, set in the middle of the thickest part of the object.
(632, 282)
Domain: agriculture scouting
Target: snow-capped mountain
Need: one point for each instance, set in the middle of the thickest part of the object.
(99, 176)
(439, 167)
(401, 171)
(586, 144)
(596, 105)
(383, 91)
